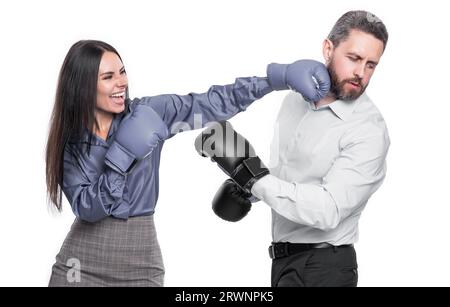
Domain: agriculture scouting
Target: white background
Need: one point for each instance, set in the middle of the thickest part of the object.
(184, 46)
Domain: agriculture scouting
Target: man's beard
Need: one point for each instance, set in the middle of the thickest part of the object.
(337, 86)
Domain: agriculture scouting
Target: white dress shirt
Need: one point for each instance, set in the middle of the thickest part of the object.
(326, 162)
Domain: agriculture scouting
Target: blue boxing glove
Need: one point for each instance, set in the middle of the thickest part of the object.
(307, 77)
(137, 136)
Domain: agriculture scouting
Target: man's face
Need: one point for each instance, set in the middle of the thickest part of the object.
(352, 63)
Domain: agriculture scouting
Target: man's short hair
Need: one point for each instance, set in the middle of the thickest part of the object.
(358, 20)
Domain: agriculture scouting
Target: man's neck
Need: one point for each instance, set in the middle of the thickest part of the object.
(327, 100)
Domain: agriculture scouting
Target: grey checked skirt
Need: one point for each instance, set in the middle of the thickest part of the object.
(110, 253)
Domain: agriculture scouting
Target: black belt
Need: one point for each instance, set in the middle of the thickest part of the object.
(284, 249)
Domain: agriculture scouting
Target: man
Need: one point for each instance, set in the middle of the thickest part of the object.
(329, 159)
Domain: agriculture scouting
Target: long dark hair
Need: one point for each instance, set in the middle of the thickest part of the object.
(73, 111)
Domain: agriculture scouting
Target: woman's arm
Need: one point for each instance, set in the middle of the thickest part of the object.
(93, 200)
(194, 111)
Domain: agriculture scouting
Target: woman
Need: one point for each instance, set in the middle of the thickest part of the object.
(103, 153)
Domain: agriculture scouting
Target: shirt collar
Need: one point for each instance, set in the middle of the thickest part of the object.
(342, 109)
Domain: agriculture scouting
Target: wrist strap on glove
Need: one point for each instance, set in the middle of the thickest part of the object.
(250, 171)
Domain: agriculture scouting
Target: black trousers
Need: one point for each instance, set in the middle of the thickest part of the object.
(317, 267)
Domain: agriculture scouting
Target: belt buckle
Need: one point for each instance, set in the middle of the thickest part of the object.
(272, 251)
(275, 251)
(322, 245)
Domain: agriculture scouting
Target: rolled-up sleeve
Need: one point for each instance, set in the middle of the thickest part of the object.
(194, 111)
(355, 175)
(93, 200)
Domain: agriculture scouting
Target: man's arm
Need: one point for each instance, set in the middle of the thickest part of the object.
(355, 175)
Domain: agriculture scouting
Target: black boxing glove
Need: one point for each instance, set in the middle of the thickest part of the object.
(231, 203)
(233, 153)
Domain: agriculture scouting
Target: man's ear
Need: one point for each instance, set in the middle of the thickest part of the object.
(327, 50)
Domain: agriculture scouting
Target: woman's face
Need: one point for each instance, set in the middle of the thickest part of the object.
(112, 84)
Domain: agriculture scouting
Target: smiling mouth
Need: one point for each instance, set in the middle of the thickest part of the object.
(120, 95)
